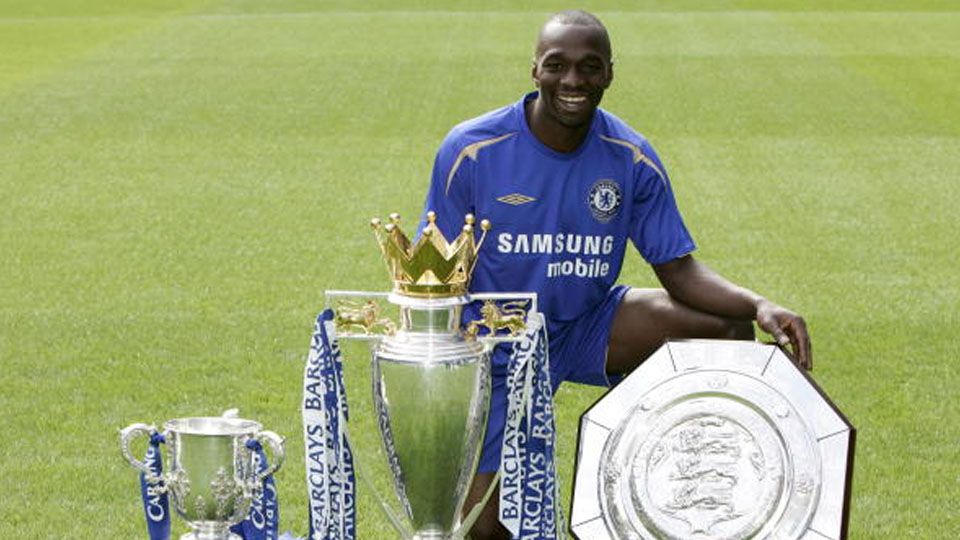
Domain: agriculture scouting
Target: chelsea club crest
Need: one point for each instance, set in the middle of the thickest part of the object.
(604, 200)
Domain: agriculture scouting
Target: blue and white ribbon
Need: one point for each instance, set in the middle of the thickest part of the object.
(329, 462)
(156, 503)
(260, 524)
(263, 521)
(529, 492)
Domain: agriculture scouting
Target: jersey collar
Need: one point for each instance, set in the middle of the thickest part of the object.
(524, 129)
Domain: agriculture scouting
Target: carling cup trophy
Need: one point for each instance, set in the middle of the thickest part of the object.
(425, 390)
(212, 476)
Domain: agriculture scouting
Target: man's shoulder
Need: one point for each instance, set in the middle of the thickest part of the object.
(614, 128)
(490, 125)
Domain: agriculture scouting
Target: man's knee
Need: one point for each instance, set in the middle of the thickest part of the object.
(487, 526)
(487, 530)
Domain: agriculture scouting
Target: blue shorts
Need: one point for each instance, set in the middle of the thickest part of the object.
(578, 353)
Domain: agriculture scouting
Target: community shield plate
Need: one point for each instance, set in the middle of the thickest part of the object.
(713, 440)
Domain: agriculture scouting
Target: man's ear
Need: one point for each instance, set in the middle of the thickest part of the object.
(533, 73)
(609, 76)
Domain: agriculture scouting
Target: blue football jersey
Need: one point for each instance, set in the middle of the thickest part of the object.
(560, 221)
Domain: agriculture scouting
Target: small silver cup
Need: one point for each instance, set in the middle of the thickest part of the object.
(212, 477)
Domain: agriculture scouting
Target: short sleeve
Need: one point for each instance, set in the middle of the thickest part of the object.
(656, 227)
(450, 194)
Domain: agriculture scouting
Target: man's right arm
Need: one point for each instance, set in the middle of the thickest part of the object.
(694, 284)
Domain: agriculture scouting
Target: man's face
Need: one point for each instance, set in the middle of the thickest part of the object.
(572, 70)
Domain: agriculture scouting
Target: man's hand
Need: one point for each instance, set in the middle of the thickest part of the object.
(786, 327)
(695, 285)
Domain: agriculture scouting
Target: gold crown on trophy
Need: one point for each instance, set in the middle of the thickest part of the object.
(431, 267)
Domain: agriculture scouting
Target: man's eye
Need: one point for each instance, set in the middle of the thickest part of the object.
(553, 66)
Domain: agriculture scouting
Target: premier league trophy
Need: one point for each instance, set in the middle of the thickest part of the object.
(213, 475)
(426, 384)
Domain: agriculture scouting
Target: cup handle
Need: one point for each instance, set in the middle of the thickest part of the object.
(126, 435)
(275, 442)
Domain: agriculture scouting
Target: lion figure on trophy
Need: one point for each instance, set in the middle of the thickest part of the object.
(510, 316)
(364, 316)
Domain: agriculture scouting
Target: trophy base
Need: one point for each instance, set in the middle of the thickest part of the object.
(431, 535)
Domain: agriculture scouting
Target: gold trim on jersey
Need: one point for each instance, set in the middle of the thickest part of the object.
(471, 151)
(638, 155)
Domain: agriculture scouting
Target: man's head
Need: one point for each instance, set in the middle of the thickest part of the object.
(572, 66)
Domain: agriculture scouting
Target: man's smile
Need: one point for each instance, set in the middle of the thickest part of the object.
(573, 103)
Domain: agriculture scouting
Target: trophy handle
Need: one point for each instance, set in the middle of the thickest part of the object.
(275, 442)
(126, 435)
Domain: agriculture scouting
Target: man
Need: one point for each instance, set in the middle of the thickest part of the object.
(566, 184)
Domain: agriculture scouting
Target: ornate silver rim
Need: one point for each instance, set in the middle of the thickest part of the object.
(213, 426)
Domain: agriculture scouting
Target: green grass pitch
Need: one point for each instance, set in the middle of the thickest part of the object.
(181, 179)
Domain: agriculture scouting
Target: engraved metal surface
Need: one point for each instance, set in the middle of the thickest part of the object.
(713, 440)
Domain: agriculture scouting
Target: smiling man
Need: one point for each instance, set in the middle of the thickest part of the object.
(567, 185)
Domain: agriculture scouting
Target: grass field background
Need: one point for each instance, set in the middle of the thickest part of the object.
(180, 180)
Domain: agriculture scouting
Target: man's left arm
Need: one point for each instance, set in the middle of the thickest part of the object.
(696, 285)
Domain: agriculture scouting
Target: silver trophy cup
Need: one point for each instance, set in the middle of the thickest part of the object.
(430, 381)
(212, 475)
(429, 374)
(431, 390)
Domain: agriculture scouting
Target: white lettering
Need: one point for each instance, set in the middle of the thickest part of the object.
(154, 504)
(522, 245)
(591, 245)
(589, 268)
(555, 243)
(533, 501)
(504, 242)
(542, 244)
(607, 245)
(257, 519)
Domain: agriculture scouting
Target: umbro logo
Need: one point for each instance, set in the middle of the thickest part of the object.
(516, 199)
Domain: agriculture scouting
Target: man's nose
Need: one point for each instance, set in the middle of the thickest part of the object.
(571, 78)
